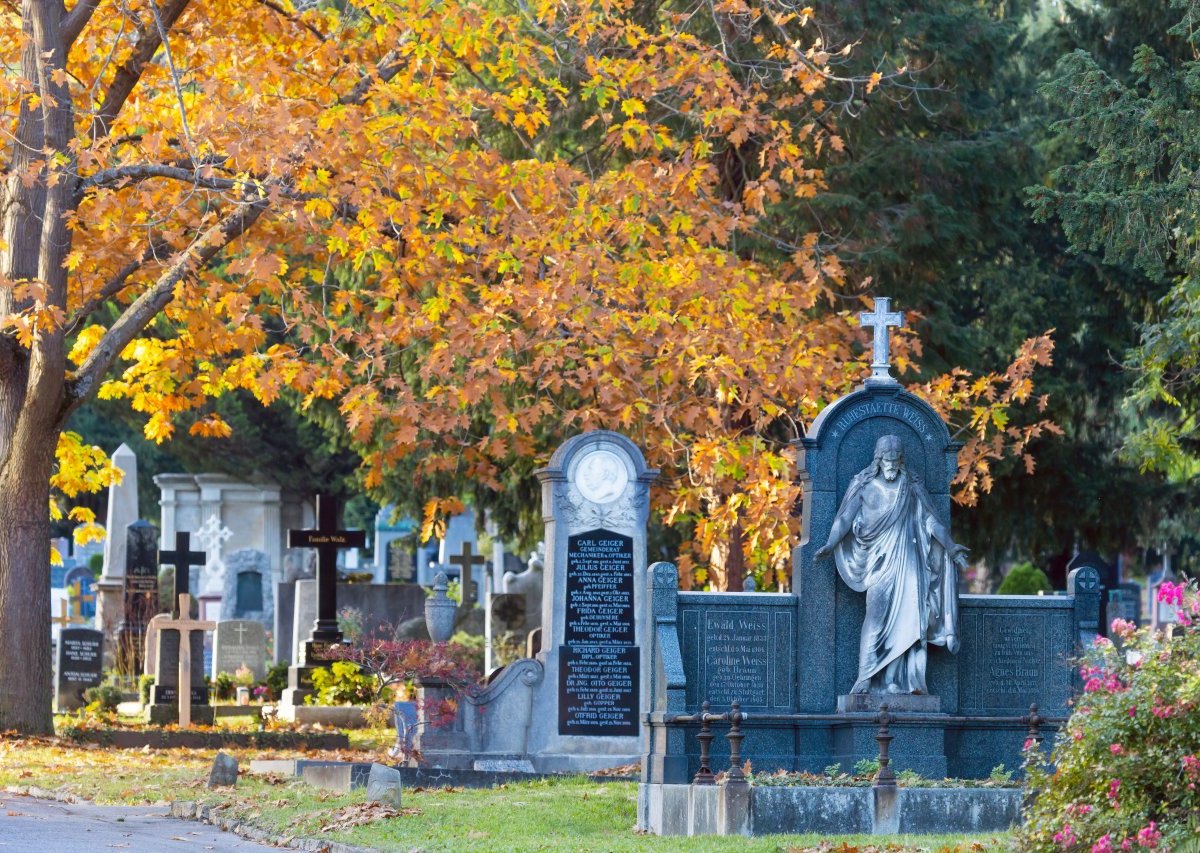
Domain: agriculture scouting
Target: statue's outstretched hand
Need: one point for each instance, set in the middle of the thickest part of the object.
(823, 552)
(959, 556)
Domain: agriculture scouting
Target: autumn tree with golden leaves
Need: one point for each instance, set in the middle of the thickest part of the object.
(476, 227)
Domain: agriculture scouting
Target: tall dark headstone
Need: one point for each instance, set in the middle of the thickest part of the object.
(80, 665)
(141, 592)
(326, 540)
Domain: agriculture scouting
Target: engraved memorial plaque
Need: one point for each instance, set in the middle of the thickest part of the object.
(598, 675)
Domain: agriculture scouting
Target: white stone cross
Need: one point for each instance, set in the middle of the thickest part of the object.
(241, 630)
(212, 537)
(185, 625)
(880, 321)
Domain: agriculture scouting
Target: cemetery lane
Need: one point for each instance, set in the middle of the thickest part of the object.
(47, 826)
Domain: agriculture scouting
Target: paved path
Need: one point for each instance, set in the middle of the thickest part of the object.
(30, 825)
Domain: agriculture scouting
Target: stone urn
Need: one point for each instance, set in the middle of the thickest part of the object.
(439, 611)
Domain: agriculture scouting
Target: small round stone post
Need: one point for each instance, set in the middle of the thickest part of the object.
(704, 776)
(735, 736)
(885, 778)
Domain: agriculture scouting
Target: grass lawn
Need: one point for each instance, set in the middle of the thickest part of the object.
(569, 814)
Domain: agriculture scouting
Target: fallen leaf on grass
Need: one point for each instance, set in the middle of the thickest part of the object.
(16, 814)
(361, 814)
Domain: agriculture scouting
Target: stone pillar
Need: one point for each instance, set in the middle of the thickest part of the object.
(664, 684)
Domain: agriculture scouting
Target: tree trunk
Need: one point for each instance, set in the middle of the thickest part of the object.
(26, 691)
(36, 242)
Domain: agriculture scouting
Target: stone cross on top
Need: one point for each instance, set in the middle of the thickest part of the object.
(182, 558)
(327, 540)
(880, 321)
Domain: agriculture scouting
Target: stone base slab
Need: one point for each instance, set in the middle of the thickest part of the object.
(339, 716)
(768, 810)
(898, 703)
(164, 714)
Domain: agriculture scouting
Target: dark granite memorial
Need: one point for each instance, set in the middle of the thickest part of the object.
(80, 666)
(799, 653)
(599, 673)
(164, 695)
(141, 592)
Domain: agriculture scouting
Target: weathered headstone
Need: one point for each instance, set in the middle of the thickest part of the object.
(508, 614)
(224, 771)
(150, 643)
(529, 584)
(306, 616)
(1125, 602)
(238, 643)
(248, 593)
(326, 540)
(80, 665)
(401, 562)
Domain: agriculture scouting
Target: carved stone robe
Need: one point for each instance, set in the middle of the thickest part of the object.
(910, 582)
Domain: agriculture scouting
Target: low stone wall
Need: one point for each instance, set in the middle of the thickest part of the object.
(767, 810)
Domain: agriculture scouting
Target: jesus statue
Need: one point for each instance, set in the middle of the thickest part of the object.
(887, 541)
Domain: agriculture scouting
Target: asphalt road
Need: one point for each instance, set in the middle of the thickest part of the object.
(30, 825)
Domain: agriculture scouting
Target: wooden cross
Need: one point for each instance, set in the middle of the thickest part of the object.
(65, 618)
(465, 561)
(327, 540)
(880, 321)
(182, 558)
(185, 626)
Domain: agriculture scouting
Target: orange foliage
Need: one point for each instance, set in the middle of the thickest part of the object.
(478, 230)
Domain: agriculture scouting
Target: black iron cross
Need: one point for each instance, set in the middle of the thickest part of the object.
(182, 558)
(465, 561)
(327, 540)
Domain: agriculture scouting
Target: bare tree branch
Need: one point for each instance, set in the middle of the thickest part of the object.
(139, 172)
(128, 74)
(84, 381)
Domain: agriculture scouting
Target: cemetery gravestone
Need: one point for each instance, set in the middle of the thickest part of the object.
(596, 495)
(238, 643)
(141, 591)
(326, 540)
(508, 614)
(247, 592)
(306, 616)
(598, 675)
(150, 650)
(80, 665)
(401, 561)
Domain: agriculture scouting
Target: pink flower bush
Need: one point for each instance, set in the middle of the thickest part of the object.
(1125, 769)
